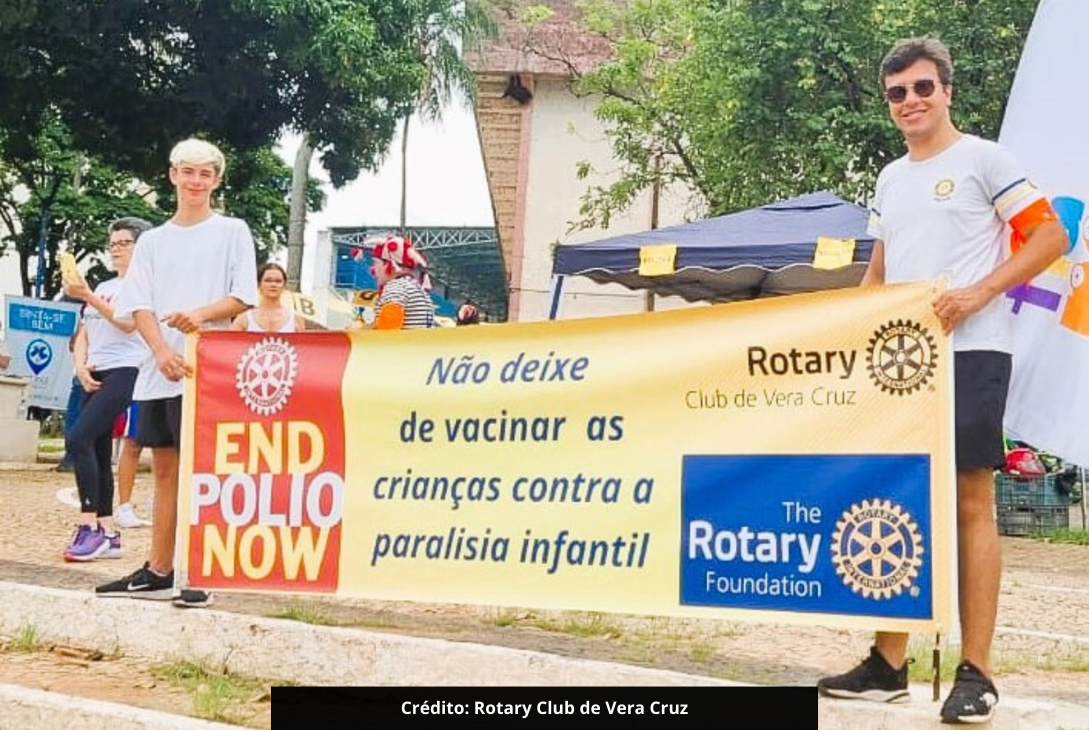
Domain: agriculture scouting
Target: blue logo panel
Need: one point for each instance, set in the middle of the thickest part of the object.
(829, 534)
(47, 320)
(39, 354)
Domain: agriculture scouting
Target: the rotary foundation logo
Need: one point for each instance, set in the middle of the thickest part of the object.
(265, 375)
(901, 357)
(877, 549)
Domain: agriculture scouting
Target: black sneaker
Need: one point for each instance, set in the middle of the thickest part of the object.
(192, 598)
(141, 584)
(973, 698)
(872, 680)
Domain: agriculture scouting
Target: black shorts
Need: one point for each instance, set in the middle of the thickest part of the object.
(982, 380)
(159, 424)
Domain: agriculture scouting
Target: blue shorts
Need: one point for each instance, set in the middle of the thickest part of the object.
(130, 422)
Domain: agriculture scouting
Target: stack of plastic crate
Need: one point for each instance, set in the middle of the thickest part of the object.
(1030, 504)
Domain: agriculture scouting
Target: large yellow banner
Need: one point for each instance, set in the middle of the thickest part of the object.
(786, 459)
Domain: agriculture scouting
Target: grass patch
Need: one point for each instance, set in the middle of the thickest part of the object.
(507, 617)
(213, 693)
(304, 614)
(1049, 662)
(1070, 537)
(583, 625)
(1003, 662)
(50, 448)
(701, 651)
(921, 656)
(1075, 663)
(574, 623)
(26, 640)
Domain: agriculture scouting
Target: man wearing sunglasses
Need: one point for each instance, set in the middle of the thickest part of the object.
(942, 211)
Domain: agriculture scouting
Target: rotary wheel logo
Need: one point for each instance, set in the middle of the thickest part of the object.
(901, 357)
(877, 549)
(943, 189)
(265, 375)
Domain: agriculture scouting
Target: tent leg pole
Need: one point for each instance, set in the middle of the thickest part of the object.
(648, 300)
(557, 295)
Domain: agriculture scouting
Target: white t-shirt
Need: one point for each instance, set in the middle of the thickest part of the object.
(947, 216)
(107, 346)
(180, 268)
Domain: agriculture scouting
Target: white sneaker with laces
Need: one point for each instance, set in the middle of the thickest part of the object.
(126, 516)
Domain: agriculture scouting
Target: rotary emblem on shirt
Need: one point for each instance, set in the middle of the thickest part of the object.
(943, 189)
(266, 374)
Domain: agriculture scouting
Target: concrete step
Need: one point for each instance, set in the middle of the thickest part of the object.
(33, 709)
(324, 655)
(921, 713)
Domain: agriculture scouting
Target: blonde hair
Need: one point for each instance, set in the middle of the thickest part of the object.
(198, 152)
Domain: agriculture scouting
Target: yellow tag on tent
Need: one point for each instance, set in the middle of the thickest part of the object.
(833, 253)
(657, 260)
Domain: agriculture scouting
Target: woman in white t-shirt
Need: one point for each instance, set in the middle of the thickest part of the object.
(107, 354)
(269, 315)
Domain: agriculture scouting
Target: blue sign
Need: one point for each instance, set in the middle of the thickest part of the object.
(832, 534)
(38, 337)
(45, 319)
(38, 355)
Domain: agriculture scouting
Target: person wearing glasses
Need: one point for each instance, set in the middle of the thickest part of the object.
(107, 354)
(942, 210)
(270, 315)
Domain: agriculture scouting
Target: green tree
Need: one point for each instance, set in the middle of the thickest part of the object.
(72, 196)
(131, 77)
(755, 100)
(68, 196)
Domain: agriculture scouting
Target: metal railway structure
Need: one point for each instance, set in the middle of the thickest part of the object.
(466, 264)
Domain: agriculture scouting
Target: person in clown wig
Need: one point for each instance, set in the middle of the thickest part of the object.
(403, 300)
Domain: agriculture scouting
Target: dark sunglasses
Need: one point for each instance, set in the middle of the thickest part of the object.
(923, 88)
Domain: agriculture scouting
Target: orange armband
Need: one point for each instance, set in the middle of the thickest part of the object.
(1032, 216)
(390, 317)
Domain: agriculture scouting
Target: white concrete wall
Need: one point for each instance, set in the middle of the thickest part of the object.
(564, 132)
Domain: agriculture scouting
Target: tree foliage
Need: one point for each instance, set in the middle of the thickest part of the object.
(750, 101)
(76, 195)
(121, 81)
(70, 196)
(130, 78)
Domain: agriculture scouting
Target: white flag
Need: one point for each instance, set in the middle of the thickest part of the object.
(1047, 130)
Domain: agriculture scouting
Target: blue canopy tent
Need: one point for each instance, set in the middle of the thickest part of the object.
(765, 251)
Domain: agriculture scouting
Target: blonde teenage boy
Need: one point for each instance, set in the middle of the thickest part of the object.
(196, 271)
